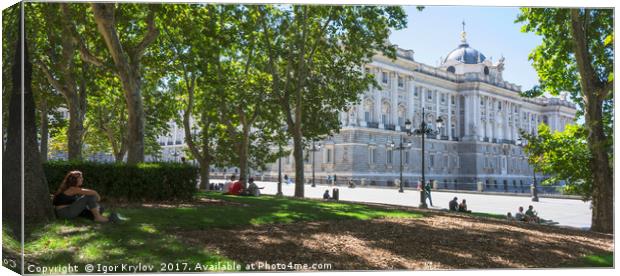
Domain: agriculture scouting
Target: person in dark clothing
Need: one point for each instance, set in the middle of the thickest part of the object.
(454, 204)
(326, 194)
(427, 191)
(71, 200)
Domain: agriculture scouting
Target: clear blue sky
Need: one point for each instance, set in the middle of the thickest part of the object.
(435, 31)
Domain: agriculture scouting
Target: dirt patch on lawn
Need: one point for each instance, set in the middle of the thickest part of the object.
(437, 241)
(199, 202)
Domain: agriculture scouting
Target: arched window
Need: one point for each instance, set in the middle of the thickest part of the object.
(369, 108)
(385, 113)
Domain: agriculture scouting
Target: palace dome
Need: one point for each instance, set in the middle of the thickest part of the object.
(465, 54)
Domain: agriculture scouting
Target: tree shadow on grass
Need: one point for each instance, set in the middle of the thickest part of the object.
(434, 242)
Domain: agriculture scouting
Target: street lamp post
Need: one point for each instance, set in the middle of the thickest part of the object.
(534, 190)
(422, 131)
(401, 147)
(315, 148)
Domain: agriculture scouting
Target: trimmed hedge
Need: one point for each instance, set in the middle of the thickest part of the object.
(119, 181)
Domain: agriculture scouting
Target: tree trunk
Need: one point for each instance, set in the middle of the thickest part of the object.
(76, 130)
(602, 188)
(35, 190)
(594, 95)
(243, 156)
(204, 174)
(128, 69)
(135, 125)
(118, 156)
(299, 163)
(44, 123)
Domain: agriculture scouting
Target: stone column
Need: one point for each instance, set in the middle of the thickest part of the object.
(467, 114)
(360, 112)
(449, 122)
(394, 100)
(411, 99)
(437, 108)
(378, 103)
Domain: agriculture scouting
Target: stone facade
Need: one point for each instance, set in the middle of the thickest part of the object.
(482, 116)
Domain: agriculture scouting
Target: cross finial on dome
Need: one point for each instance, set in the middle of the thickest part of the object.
(463, 33)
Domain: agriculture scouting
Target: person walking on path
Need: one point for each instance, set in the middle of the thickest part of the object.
(427, 191)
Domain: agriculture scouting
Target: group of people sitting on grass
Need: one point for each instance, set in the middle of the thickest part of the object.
(529, 216)
(235, 187)
(458, 207)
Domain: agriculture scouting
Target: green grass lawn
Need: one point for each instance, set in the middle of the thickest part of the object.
(148, 235)
(606, 260)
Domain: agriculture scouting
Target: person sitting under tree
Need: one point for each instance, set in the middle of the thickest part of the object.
(253, 189)
(531, 215)
(326, 195)
(235, 188)
(463, 207)
(71, 200)
(520, 216)
(454, 204)
(229, 183)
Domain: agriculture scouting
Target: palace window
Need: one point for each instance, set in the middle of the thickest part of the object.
(406, 154)
(372, 154)
(385, 116)
(384, 77)
(401, 115)
(443, 98)
(432, 161)
(429, 94)
(499, 105)
(388, 156)
(329, 156)
(416, 91)
(401, 82)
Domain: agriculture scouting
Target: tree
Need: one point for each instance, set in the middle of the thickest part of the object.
(576, 55)
(126, 52)
(315, 57)
(189, 55)
(107, 118)
(249, 100)
(35, 191)
(56, 57)
(564, 156)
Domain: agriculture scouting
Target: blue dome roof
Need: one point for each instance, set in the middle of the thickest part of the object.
(465, 54)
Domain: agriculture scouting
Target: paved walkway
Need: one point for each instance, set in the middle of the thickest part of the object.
(567, 212)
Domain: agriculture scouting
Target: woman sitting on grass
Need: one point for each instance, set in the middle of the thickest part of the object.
(71, 200)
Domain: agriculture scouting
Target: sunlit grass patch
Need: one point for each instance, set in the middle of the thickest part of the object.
(150, 234)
